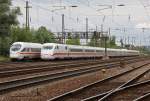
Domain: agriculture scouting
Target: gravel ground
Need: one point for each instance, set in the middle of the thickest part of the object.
(49, 90)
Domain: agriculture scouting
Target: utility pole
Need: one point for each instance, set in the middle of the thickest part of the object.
(101, 35)
(87, 30)
(96, 28)
(105, 39)
(109, 33)
(109, 36)
(125, 41)
(63, 29)
(96, 36)
(27, 15)
(132, 42)
(128, 40)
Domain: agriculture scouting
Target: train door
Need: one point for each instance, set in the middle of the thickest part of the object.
(67, 52)
(56, 49)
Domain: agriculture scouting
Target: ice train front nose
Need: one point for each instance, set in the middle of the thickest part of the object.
(47, 53)
(14, 51)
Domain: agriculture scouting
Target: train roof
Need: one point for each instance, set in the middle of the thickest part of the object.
(29, 44)
(89, 47)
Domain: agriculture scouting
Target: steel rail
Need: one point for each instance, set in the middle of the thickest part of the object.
(44, 65)
(63, 63)
(47, 68)
(144, 83)
(34, 69)
(142, 98)
(107, 94)
(97, 82)
(50, 63)
(41, 65)
(8, 85)
(12, 63)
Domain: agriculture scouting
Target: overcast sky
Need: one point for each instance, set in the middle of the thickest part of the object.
(124, 21)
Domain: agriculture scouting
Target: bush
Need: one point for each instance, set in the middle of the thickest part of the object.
(5, 43)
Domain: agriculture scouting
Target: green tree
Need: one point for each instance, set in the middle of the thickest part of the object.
(112, 42)
(73, 41)
(21, 34)
(44, 36)
(8, 17)
(4, 45)
(95, 40)
(17, 34)
(100, 42)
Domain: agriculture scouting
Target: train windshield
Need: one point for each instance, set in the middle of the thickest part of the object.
(15, 47)
(47, 47)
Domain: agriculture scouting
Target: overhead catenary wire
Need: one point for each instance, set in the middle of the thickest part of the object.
(51, 11)
(145, 7)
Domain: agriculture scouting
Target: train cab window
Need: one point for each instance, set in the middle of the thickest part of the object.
(47, 47)
(15, 47)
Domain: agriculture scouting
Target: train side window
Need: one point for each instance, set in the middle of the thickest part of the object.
(35, 50)
(88, 50)
(28, 49)
(99, 51)
(24, 50)
(39, 50)
(76, 50)
(32, 50)
(66, 47)
(57, 47)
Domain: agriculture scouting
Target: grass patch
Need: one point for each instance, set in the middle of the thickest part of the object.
(3, 58)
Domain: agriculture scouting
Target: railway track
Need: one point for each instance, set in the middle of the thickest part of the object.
(9, 65)
(43, 78)
(129, 93)
(6, 86)
(39, 64)
(56, 68)
(19, 65)
(45, 68)
(107, 95)
(144, 97)
(3, 68)
(91, 91)
(34, 69)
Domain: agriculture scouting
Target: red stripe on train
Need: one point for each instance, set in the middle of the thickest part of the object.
(29, 53)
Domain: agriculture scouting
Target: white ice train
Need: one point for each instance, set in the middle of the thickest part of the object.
(25, 50)
(52, 51)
